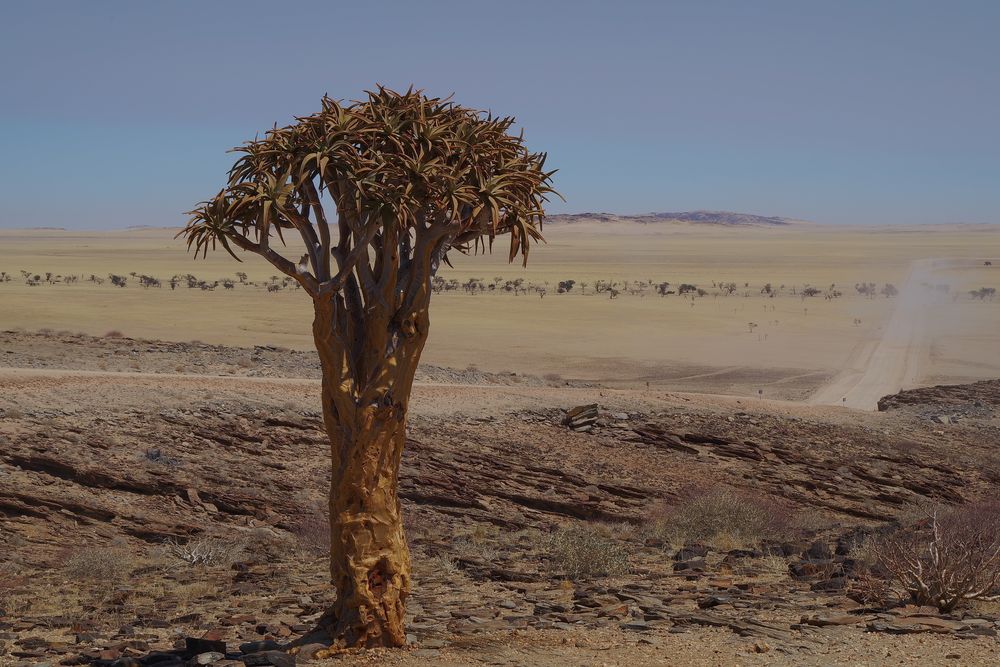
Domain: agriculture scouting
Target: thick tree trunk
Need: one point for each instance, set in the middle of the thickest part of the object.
(366, 424)
(369, 557)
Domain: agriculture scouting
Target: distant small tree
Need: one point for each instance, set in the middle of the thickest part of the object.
(242, 277)
(565, 286)
(865, 289)
(889, 290)
(117, 281)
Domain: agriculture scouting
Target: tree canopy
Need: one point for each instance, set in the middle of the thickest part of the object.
(401, 169)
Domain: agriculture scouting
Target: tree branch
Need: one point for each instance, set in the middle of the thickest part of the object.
(311, 195)
(304, 278)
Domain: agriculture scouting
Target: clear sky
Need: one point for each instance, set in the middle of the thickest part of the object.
(120, 113)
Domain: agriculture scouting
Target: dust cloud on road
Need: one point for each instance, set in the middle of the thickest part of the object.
(893, 362)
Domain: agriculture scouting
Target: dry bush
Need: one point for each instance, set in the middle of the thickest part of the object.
(869, 588)
(423, 526)
(11, 413)
(444, 566)
(948, 558)
(724, 517)
(764, 567)
(439, 567)
(484, 541)
(587, 550)
(207, 551)
(114, 333)
(10, 580)
(312, 531)
(111, 564)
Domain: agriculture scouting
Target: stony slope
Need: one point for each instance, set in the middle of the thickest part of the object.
(133, 468)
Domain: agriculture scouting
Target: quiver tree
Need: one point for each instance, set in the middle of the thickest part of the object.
(377, 193)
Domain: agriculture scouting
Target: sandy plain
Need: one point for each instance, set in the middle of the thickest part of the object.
(799, 347)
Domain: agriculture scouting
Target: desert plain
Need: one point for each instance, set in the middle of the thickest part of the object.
(163, 467)
(738, 342)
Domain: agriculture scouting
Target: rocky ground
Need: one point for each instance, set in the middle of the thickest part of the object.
(158, 516)
(947, 404)
(116, 353)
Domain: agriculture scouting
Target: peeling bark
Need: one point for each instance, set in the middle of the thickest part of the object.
(367, 377)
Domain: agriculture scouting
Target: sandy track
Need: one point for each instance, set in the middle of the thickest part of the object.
(894, 362)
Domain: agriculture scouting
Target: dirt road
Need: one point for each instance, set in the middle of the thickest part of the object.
(893, 362)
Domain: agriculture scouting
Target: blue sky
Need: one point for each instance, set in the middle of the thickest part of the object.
(120, 113)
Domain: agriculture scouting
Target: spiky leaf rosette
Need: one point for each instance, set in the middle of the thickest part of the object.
(407, 174)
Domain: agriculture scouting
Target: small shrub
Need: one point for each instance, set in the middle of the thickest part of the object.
(207, 551)
(724, 517)
(948, 558)
(10, 580)
(114, 334)
(870, 589)
(11, 413)
(313, 530)
(106, 564)
(442, 565)
(586, 550)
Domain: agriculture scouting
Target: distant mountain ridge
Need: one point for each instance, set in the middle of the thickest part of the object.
(691, 217)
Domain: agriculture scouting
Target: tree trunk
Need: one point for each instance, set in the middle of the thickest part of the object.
(369, 556)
